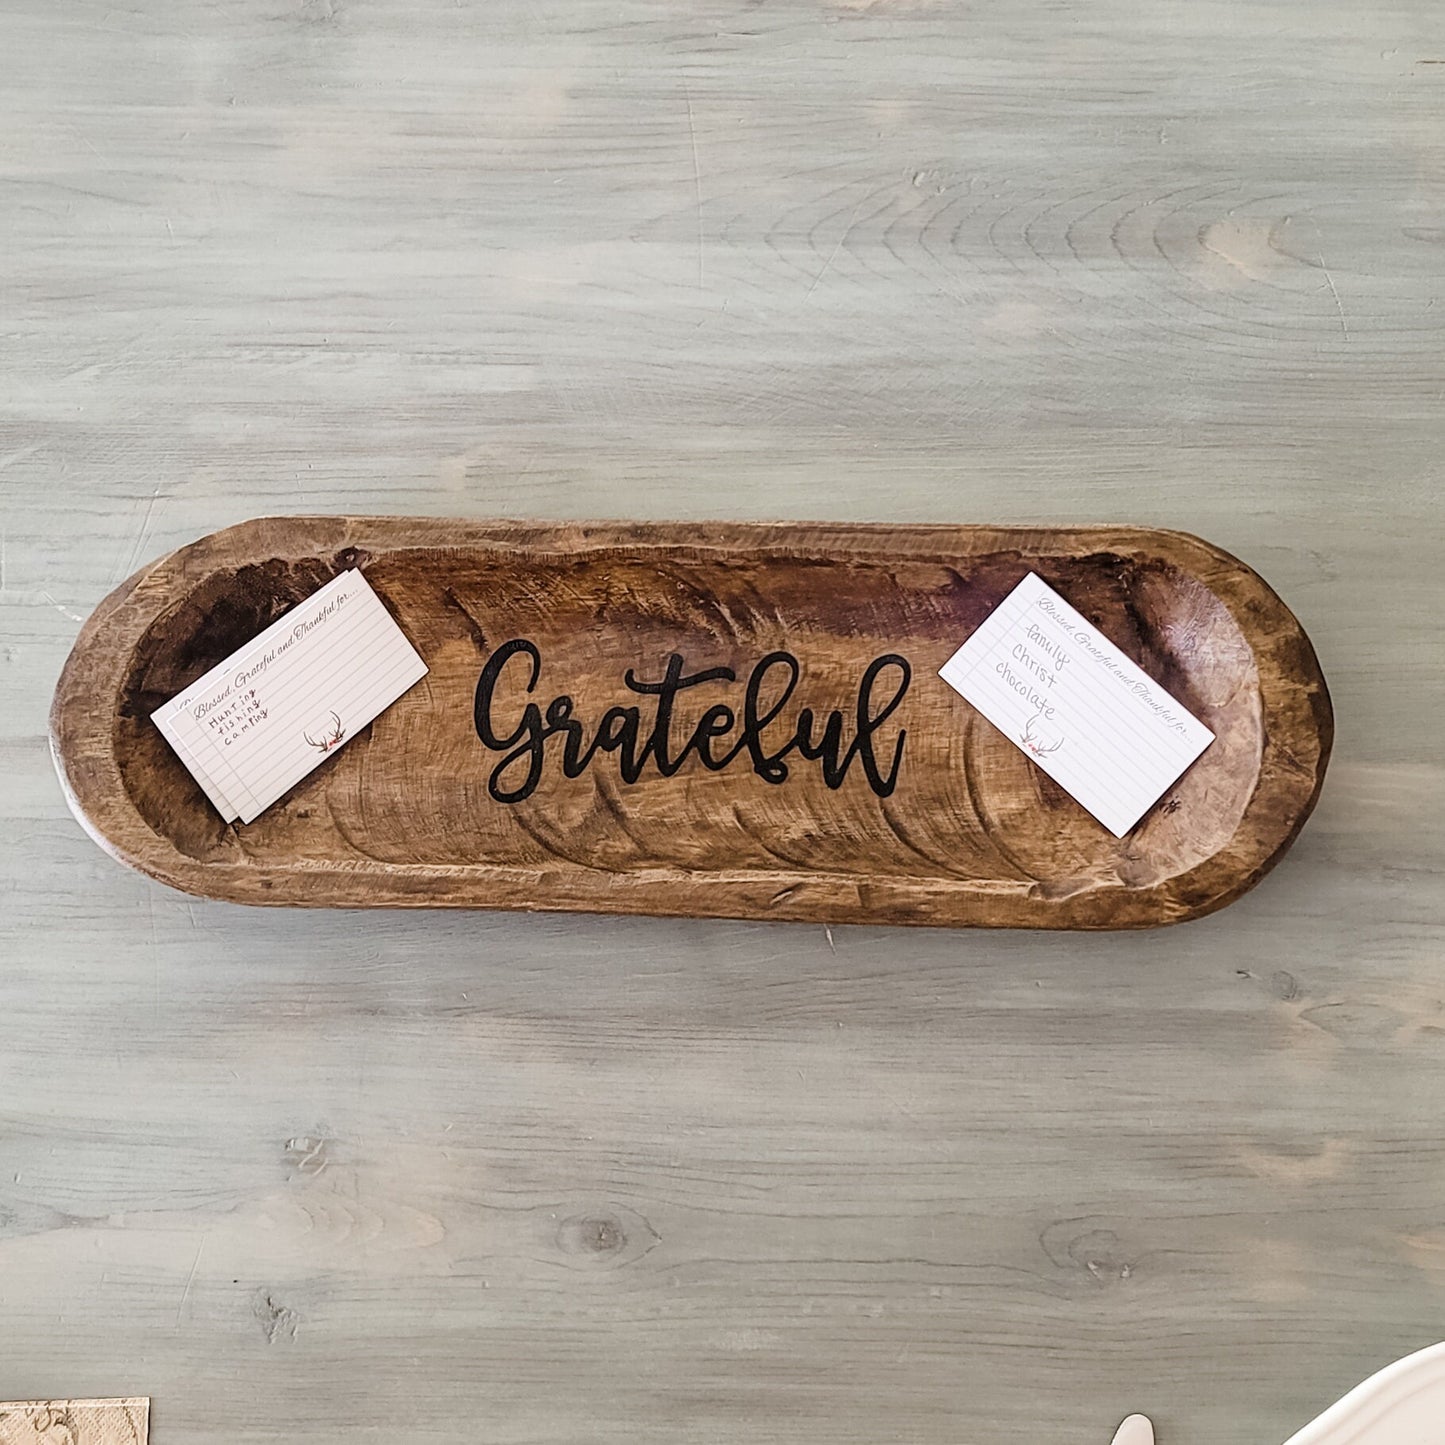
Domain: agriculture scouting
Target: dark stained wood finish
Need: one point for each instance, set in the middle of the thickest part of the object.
(973, 833)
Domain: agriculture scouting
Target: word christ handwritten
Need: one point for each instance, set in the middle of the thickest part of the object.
(765, 742)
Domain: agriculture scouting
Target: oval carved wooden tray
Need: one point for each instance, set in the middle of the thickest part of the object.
(906, 808)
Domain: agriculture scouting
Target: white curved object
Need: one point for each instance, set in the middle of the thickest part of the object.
(1136, 1430)
(1404, 1404)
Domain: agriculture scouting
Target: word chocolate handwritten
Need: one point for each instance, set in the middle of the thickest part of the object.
(721, 736)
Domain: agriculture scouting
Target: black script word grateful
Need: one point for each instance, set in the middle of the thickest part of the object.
(721, 736)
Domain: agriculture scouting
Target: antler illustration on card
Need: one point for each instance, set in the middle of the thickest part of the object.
(1040, 738)
(328, 739)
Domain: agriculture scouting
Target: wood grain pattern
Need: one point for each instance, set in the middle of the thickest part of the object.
(303, 1174)
(417, 811)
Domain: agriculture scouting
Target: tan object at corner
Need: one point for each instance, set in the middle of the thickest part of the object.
(75, 1422)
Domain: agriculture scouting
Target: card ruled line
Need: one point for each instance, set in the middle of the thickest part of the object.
(250, 745)
(1095, 734)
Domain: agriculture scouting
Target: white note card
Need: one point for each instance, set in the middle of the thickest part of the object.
(257, 723)
(1055, 686)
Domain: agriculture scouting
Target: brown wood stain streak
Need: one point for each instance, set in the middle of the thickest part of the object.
(401, 815)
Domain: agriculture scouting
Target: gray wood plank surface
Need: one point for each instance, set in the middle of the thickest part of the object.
(554, 1180)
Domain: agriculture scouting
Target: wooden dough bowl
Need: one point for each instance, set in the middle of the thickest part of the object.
(418, 810)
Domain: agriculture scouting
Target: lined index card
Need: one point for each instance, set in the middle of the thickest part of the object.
(260, 721)
(1053, 684)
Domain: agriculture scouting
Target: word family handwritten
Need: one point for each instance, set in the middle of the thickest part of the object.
(1030, 661)
(721, 736)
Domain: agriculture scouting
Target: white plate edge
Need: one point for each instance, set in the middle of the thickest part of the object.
(1369, 1402)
